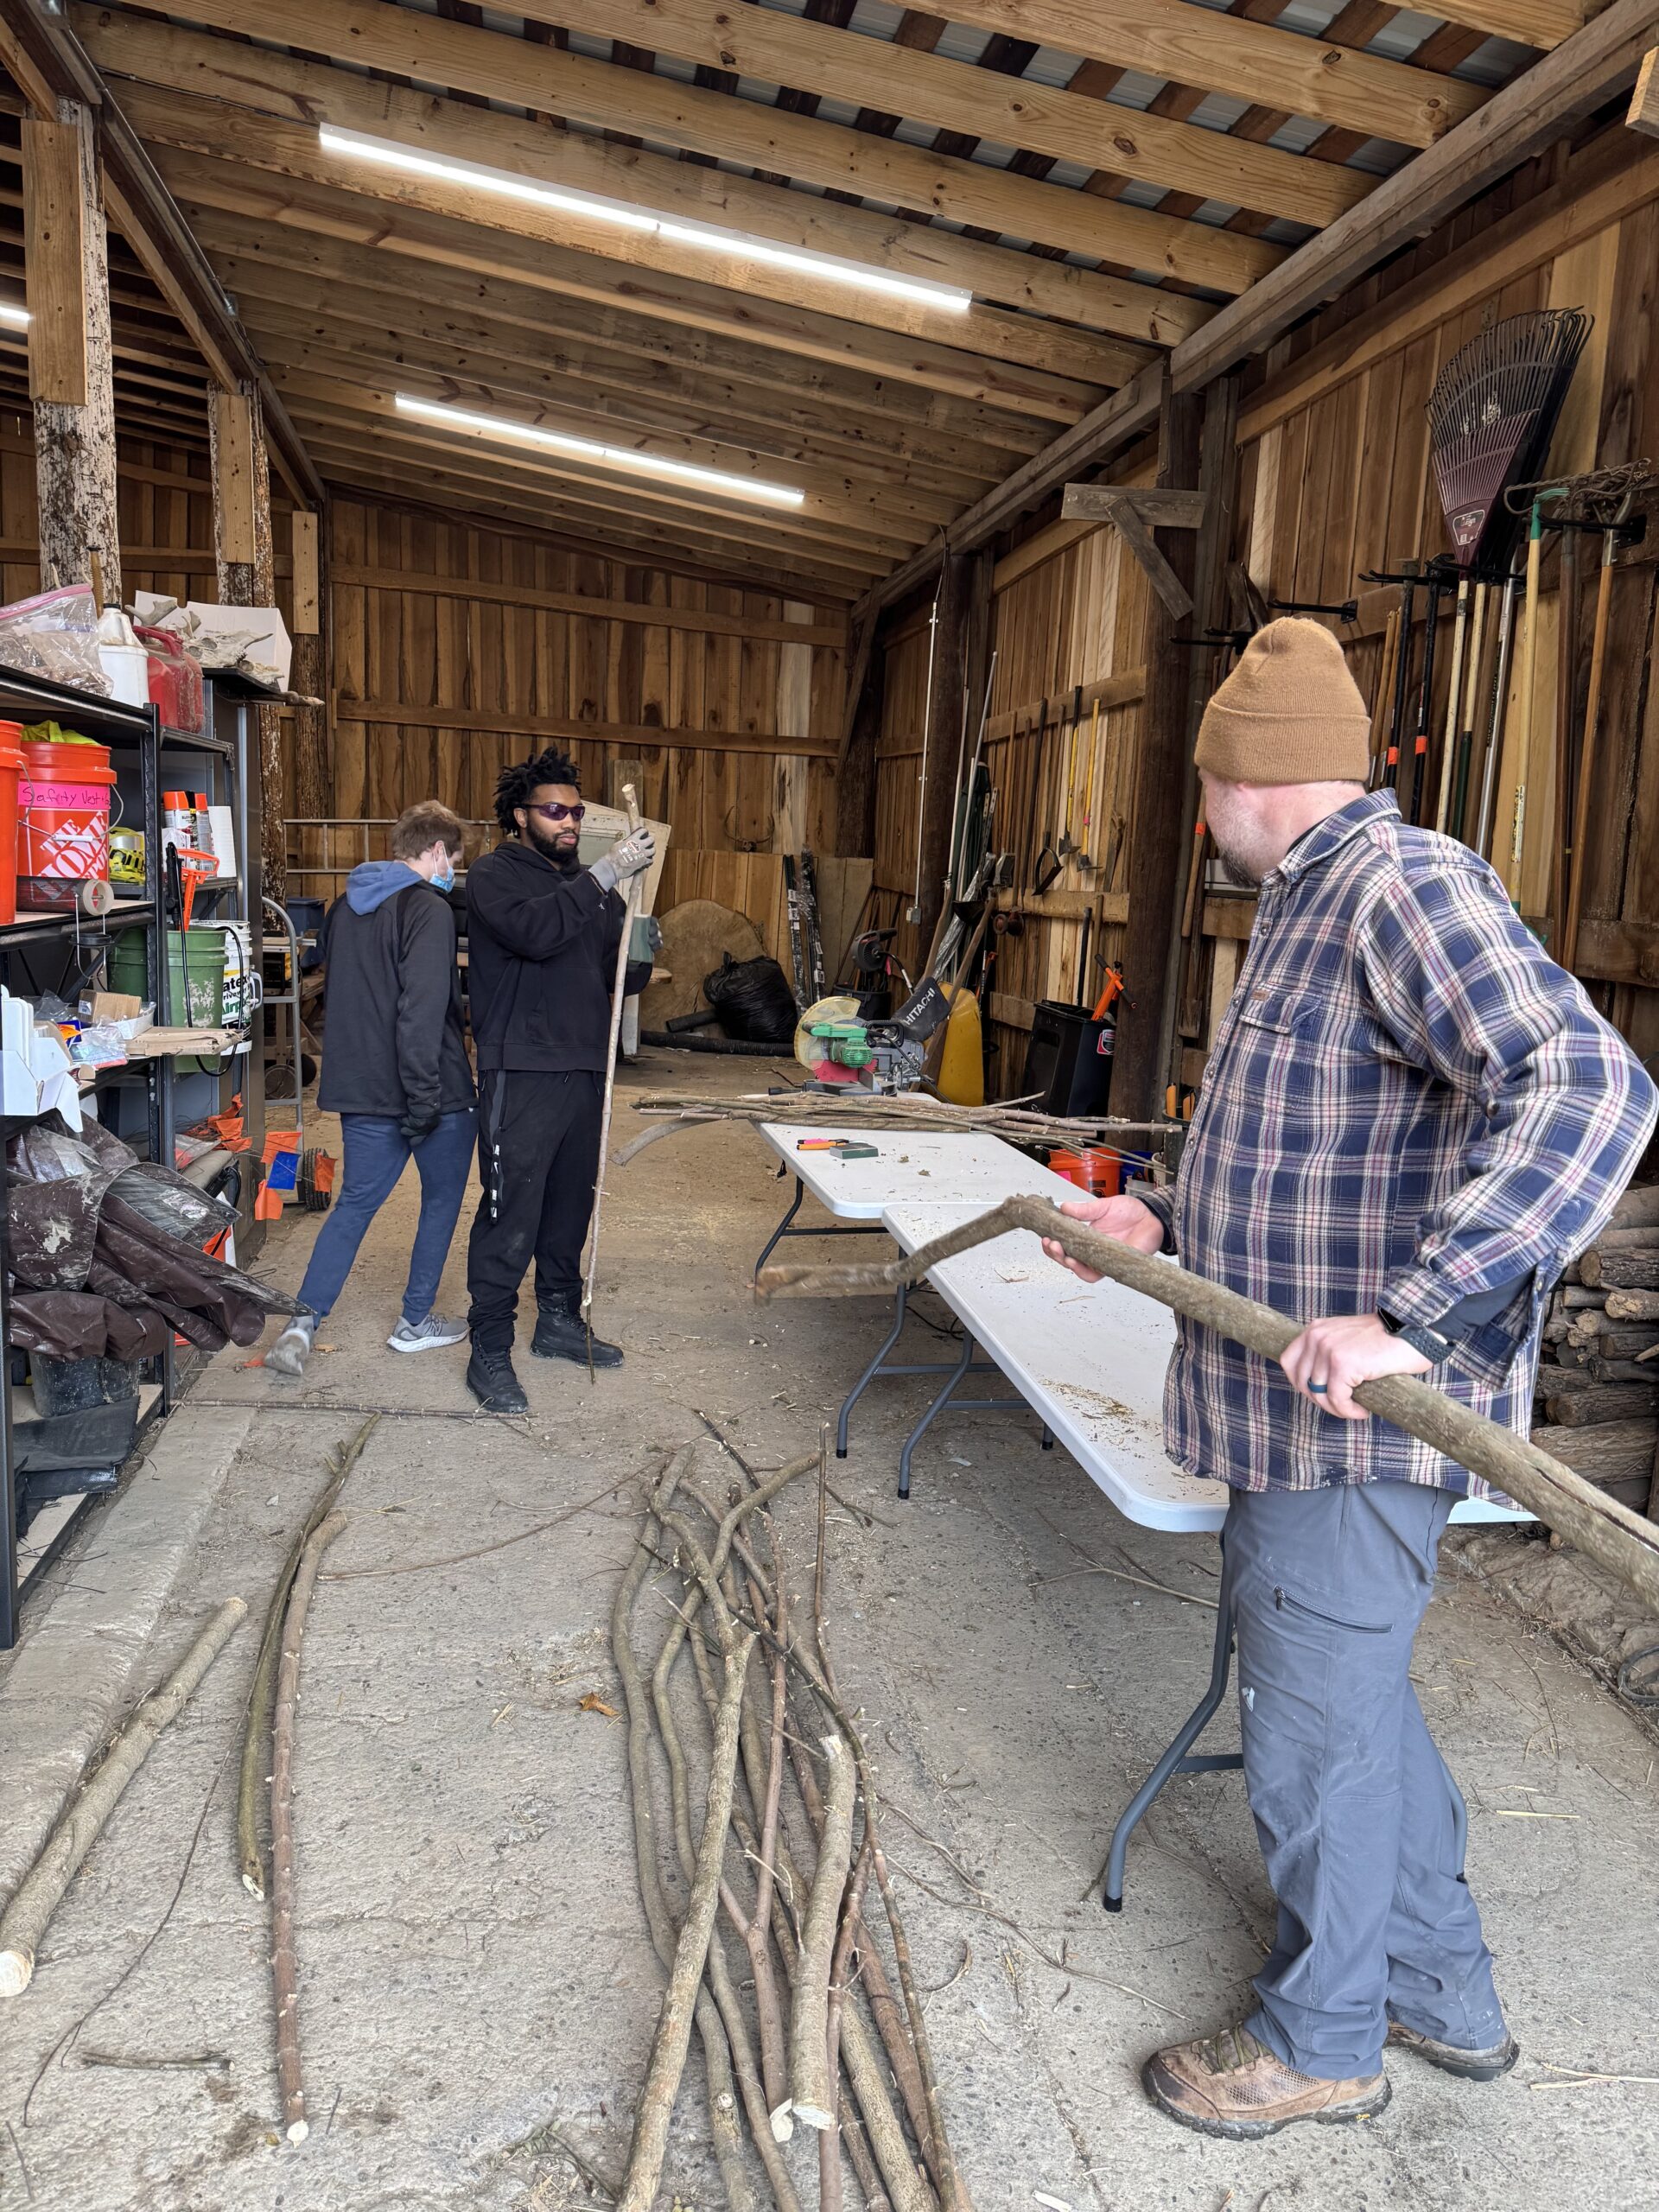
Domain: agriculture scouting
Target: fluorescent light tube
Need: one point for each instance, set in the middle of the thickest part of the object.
(389, 154)
(637, 464)
(14, 318)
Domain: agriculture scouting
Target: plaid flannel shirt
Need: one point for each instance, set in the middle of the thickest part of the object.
(1407, 1104)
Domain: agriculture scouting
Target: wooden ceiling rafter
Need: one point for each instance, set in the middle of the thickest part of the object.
(780, 49)
(398, 224)
(264, 259)
(458, 57)
(296, 88)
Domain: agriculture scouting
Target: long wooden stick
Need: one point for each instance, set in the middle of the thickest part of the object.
(285, 1965)
(673, 2035)
(717, 2060)
(1587, 760)
(1623, 1542)
(256, 1738)
(41, 1891)
(1525, 747)
(810, 2088)
(629, 900)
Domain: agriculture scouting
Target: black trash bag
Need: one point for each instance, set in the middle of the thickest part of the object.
(753, 1001)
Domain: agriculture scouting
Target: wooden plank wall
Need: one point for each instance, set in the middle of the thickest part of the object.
(1069, 608)
(166, 512)
(1336, 479)
(461, 683)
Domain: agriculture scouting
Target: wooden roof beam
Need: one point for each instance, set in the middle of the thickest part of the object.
(1226, 53)
(312, 92)
(554, 82)
(400, 224)
(48, 62)
(1104, 431)
(1584, 72)
(792, 50)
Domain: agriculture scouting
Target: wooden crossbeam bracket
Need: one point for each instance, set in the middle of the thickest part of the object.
(1645, 100)
(1134, 515)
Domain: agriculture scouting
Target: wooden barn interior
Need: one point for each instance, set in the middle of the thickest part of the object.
(867, 436)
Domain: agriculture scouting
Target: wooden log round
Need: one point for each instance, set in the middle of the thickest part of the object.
(41, 1891)
(1633, 1305)
(1623, 1542)
(1604, 1268)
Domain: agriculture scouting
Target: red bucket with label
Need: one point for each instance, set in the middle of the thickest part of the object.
(11, 767)
(63, 822)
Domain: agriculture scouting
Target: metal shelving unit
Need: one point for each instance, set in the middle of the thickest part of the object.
(40, 951)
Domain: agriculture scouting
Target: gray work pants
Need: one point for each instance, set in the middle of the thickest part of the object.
(1353, 1805)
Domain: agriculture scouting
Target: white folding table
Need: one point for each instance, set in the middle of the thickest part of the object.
(1090, 1360)
(921, 1165)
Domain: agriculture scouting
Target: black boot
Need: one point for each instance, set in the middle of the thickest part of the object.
(560, 1333)
(492, 1383)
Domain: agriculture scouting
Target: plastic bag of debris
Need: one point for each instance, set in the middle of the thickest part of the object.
(753, 1001)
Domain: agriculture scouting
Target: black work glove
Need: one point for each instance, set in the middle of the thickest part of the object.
(413, 1126)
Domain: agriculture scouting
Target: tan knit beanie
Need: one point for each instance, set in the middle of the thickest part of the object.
(1289, 713)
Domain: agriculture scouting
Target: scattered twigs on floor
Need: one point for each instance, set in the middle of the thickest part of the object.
(41, 1891)
(809, 2048)
(284, 1965)
(256, 1738)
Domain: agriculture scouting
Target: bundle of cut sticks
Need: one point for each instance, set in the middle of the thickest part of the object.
(1598, 1379)
(868, 1111)
(773, 1887)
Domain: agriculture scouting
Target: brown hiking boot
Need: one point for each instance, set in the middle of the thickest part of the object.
(1488, 2065)
(1230, 2085)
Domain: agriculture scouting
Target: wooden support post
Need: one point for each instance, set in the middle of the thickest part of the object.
(945, 732)
(855, 773)
(1157, 846)
(242, 545)
(70, 361)
(312, 797)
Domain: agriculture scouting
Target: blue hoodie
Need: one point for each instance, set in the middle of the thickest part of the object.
(375, 881)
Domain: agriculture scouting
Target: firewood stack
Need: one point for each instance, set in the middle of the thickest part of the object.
(1597, 1405)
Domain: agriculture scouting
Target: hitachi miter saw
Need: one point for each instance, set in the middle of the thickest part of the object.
(841, 1046)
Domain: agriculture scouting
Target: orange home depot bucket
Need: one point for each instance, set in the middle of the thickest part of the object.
(63, 821)
(1098, 1172)
(11, 767)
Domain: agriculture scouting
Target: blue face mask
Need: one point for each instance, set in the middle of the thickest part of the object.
(446, 882)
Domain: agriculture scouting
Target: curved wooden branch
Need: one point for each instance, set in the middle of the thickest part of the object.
(811, 2089)
(38, 1896)
(285, 1965)
(673, 2035)
(1621, 1541)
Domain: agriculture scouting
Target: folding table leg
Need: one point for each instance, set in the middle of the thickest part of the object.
(937, 1407)
(794, 1208)
(900, 1306)
(1176, 1759)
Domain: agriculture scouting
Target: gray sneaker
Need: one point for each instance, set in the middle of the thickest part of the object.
(292, 1349)
(427, 1335)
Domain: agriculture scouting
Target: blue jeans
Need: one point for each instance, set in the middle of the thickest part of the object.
(376, 1154)
(1354, 1807)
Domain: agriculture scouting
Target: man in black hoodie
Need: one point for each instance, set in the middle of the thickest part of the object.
(542, 940)
(394, 1069)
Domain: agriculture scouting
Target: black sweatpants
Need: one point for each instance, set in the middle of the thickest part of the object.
(539, 1161)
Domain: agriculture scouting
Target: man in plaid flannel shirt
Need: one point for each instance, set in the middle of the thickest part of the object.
(1411, 1120)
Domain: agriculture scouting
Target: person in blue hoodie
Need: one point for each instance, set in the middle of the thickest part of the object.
(395, 1069)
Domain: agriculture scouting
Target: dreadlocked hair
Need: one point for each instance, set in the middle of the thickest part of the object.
(514, 785)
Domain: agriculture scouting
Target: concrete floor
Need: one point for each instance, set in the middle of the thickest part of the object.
(473, 1960)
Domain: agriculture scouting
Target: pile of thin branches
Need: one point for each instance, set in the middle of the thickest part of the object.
(800, 2026)
(867, 1111)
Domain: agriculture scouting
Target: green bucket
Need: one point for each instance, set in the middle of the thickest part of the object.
(195, 974)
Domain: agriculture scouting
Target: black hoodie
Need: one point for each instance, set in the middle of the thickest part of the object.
(541, 954)
(392, 1044)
